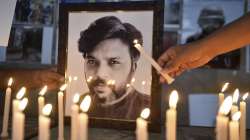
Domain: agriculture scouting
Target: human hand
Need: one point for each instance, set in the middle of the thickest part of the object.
(178, 59)
(47, 77)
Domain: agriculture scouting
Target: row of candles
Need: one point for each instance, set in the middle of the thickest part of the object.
(18, 117)
(234, 129)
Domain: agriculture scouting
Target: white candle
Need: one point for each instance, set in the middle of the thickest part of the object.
(243, 117)
(83, 118)
(235, 101)
(18, 130)
(15, 103)
(234, 126)
(41, 100)
(221, 94)
(61, 113)
(222, 119)
(222, 127)
(6, 110)
(74, 117)
(18, 121)
(171, 116)
(44, 123)
(152, 62)
(142, 125)
(221, 98)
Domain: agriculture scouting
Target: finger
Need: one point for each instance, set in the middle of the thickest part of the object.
(162, 80)
(171, 67)
(179, 72)
(54, 75)
(163, 58)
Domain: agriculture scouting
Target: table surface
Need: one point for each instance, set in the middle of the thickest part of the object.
(184, 133)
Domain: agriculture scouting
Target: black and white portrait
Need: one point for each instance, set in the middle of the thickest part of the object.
(101, 54)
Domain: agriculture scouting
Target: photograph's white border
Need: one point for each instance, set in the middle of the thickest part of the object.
(142, 20)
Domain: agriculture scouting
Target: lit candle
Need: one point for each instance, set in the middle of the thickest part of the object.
(142, 125)
(152, 62)
(74, 117)
(41, 99)
(61, 113)
(19, 96)
(90, 78)
(234, 126)
(132, 82)
(235, 101)
(6, 110)
(75, 78)
(18, 121)
(171, 116)
(221, 94)
(243, 117)
(222, 119)
(44, 123)
(83, 118)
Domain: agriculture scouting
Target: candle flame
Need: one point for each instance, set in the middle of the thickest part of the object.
(236, 96)
(145, 113)
(63, 87)
(128, 85)
(138, 46)
(10, 81)
(236, 116)
(75, 78)
(76, 98)
(89, 79)
(21, 93)
(43, 91)
(85, 104)
(133, 80)
(143, 83)
(225, 86)
(135, 41)
(244, 97)
(70, 79)
(47, 109)
(226, 106)
(23, 103)
(111, 82)
(173, 99)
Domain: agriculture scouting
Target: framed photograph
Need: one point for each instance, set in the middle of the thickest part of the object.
(96, 49)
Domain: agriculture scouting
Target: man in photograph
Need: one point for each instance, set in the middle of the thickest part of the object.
(110, 62)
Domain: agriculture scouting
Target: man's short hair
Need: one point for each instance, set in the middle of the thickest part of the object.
(109, 27)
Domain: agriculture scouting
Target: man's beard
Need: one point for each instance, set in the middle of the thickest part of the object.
(99, 87)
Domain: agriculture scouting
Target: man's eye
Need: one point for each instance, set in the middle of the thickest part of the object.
(91, 62)
(112, 62)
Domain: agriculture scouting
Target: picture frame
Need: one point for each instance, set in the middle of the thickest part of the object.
(130, 12)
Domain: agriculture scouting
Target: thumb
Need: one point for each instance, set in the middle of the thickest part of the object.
(171, 66)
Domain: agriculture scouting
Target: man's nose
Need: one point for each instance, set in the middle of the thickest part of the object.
(102, 72)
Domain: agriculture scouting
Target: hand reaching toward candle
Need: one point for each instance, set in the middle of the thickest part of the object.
(178, 59)
(47, 77)
(181, 58)
(35, 78)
